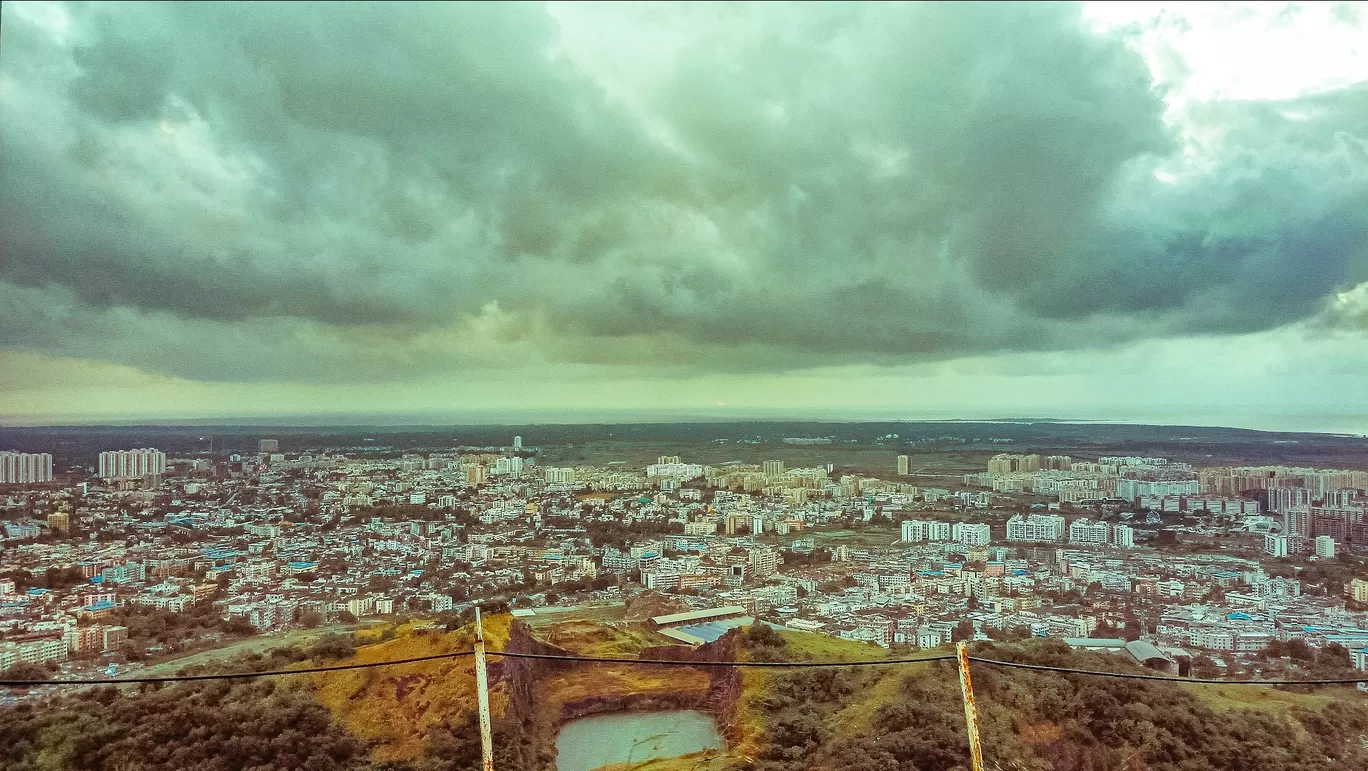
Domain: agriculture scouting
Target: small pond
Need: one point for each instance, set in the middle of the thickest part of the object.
(631, 737)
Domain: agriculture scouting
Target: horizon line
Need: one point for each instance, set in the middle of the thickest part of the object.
(496, 419)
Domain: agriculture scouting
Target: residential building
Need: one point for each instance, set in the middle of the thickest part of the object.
(17, 468)
(1036, 528)
(971, 533)
(564, 476)
(1276, 545)
(916, 531)
(1325, 547)
(59, 522)
(764, 563)
(1084, 531)
(132, 464)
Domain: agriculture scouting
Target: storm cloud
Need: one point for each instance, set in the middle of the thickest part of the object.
(361, 192)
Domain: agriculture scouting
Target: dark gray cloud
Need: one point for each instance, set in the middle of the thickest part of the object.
(301, 191)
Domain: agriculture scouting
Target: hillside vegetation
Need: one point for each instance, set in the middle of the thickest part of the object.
(396, 709)
(1035, 720)
(420, 717)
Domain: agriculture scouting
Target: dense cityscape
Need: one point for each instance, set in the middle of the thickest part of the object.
(138, 557)
(652, 386)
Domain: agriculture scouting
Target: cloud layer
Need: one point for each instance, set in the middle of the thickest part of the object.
(292, 192)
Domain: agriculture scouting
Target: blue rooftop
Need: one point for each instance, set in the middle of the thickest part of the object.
(713, 630)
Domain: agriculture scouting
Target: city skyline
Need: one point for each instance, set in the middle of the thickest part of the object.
(1144, 213)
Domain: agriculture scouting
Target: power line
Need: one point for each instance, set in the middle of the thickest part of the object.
(684, 663)
(941, 657)
(233, 675)
(1142, 676)
(742, 664)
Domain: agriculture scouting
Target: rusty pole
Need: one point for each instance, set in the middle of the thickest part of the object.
(971, 721)
(482, 696)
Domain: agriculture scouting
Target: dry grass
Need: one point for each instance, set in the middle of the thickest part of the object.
(819, 647)
(707, 760)
(396, 706)
(614, 680)
(592, 639)
(1222, 698)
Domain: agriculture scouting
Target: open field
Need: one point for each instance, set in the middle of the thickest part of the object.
(1226, 697)
(246, 646)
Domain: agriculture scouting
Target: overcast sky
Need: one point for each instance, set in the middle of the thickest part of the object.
(1121, 211)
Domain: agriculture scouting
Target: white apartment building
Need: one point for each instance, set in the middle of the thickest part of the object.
(510, 465)
(675, 469)
(17, 468)
(1325, 547)
(1276, 545)
(1035, 528)
(917, 530)
(971, 533)
(1086, 532)
(1123, 537)
(564, 476)
(1130, 489)
(132, 464)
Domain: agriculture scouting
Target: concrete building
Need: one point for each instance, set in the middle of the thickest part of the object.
(1281, 499)
(17, 468)
(764, 563)
(59, 522)
(1276, 545)
(916, 531)
(1084, 531)
(565, 476)
(132, 464)
(1123, 537)
(971, 533)
(1035, 528)
(268, 446)
(1325, 547)
(904, 465)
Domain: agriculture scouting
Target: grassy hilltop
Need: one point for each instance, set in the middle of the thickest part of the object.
(421, 716)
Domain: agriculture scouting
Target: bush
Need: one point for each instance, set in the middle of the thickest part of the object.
(26, 672)
(333, 646)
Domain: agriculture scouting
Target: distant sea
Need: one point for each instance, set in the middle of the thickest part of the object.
(1260, 419)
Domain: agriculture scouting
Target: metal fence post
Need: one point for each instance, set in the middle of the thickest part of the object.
(482, 695)
(971, 721)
